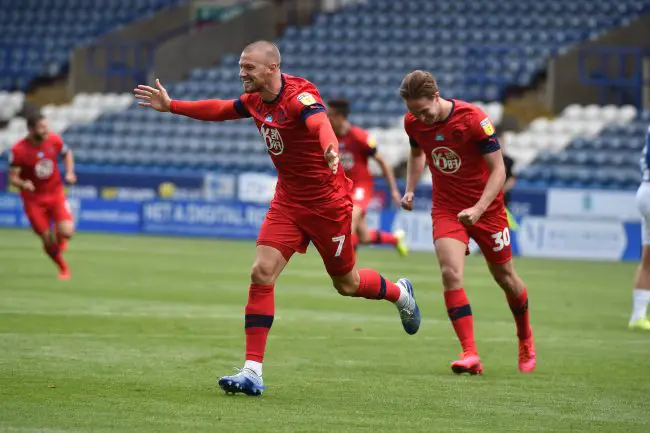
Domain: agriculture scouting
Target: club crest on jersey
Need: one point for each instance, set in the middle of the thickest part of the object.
(268, 118)
(445, 160)
(272, 139)
(40, 154)
(440, 137)
(306, 98)
(44, 168)
(487, 126)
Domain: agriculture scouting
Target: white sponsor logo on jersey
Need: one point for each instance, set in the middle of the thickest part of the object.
(44, 168)
(272, 139)
(445, 160)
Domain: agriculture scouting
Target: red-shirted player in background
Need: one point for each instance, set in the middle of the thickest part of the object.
(356, 147)
(312, 200)
(34, 170)
(458, 142)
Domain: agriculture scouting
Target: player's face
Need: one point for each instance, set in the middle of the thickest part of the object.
(336, 119)
(426, 110)
(40, 130)
(254, 72)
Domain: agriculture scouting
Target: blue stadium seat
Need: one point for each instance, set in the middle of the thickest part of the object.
(361, 52)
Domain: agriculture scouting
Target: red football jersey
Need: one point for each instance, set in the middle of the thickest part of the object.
(355, 148)
(454, 149)
(303, 173)
(39, 163)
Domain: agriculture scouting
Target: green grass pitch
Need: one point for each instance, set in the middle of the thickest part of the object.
(135, 342)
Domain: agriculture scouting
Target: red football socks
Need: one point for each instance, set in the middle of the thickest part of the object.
(258, 320)
(54, 252)
(383, 238)
(519, 308)
(373, 286)
(460, 314)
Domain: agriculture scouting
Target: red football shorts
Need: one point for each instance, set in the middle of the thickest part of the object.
(289, 227)
(491, 233)
(43, 211)
(361, 196)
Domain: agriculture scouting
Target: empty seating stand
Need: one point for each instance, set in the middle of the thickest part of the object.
(607, 160)
(38, 35)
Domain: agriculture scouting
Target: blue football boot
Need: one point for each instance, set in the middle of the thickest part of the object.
(410, 313)
(245, 381)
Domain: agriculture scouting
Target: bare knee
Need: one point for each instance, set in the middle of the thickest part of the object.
(452, 277)
(67, 233)
(644, 264)
(505, 280)
(345, 289)
(264, 272)
(65, 229)
(506, 277)
(347, 285)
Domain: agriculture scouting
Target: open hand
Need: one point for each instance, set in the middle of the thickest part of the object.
(332, 158)
(157, 98)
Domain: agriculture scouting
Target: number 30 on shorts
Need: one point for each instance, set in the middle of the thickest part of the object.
(501, 239)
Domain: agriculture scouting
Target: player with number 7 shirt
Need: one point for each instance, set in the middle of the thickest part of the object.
(458, 142)
(312, 201)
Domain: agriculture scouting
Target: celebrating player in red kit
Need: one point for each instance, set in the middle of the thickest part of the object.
(356, 146)
(35, 172)
(312, 200)
(458, 142)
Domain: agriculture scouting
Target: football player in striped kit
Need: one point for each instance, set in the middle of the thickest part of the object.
(641, 292)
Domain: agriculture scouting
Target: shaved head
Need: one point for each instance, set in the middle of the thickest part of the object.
(264, 51)
(259, 68)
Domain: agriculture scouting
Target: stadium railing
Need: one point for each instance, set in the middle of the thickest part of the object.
(128, 61)
(509, 58)
(619, 72)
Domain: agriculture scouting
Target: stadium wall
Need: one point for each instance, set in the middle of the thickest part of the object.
(177, 57)
(84, 79)
(564, 86)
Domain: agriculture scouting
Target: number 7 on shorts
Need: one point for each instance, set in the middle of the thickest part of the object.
(341, 241)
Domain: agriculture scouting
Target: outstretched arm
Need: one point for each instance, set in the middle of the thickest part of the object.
(214, 110)
(211, 109)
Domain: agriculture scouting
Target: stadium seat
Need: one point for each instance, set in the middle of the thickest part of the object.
(608, 159)
(360, 52)
(64, 24)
